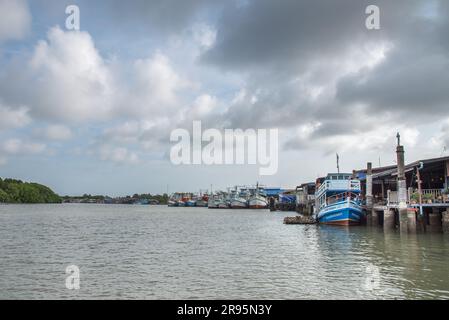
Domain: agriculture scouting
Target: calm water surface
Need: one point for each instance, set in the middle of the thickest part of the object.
(156, 252)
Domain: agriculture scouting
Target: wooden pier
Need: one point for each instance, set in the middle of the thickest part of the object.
(411, 198)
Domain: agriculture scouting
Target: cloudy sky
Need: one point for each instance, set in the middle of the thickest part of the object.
(92, 111)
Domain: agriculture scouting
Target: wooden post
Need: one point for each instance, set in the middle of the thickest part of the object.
(445, 221)
(411, 220)
(374, 218)
(447, 174)
(435, 220)
(369, 217)
(369, 194)
(389, 219)
(418, 175)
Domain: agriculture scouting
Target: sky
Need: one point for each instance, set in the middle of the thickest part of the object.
(91, 111)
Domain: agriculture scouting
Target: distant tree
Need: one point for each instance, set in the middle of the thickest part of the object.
(4, 197)
(17, 191)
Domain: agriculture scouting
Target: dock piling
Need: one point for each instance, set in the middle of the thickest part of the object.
(411, 221)
(435, 220)
(369, 195)
(369, 186)
(374, 218)
(445, 221)
(389, 221)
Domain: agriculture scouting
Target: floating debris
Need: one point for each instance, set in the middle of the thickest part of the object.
(300, 220)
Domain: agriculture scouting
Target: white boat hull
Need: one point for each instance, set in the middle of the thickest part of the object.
(258, 203)
(223, 205)
(239, 204)
(213, 203)
(201, 203)
(172, 203)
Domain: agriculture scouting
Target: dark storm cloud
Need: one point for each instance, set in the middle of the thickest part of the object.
(414, 77)
(416, 85)
(292, 32)
(273, 43)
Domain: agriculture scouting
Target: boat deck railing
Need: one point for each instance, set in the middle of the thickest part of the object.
(335, 185)
(344, 196)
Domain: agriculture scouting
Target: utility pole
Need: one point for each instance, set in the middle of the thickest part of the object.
(338, 164)
(407, 220)
(418, 176)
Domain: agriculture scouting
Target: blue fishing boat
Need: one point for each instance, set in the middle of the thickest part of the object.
(190, 203)
(338, 200)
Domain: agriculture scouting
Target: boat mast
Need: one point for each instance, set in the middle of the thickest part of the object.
(338, 164)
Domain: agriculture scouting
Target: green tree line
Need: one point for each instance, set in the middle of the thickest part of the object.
(162, 199)
(17, 191)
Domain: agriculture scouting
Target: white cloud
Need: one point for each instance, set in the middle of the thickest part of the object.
(379, 138)
(149, 135)
(71, 80)
(126, 132)
(19, 147)
(154, 89)
(58, 132)
(202, 106)
(73, 83)
(118, 155)
(204, 35)
(13, 118)
(440, 140)
(15, 19)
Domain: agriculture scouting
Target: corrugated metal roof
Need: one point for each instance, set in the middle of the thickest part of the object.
(408, 167)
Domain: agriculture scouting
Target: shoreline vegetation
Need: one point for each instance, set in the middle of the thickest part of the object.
(143, 199)
(17, 191)
(13, 191)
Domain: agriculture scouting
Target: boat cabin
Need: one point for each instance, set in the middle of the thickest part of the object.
(336, 187)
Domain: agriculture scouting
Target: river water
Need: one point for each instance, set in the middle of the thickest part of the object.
(156, 252)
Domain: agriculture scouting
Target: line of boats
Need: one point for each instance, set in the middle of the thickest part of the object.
(239, 197)
(335, 199)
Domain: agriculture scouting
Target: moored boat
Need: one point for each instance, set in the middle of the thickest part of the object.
(203, 201)
(239, 203)
(172, 203)
(338, 200)
(223, 204)
(213, 201)
(180, 203)
(257, 201)
(239, 198)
